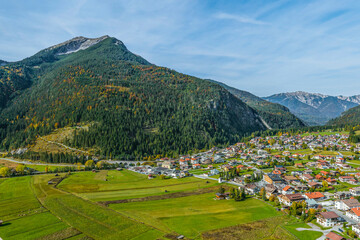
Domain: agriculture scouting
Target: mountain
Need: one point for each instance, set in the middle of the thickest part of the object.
(314, 108)
(2, 63)
(349, 117)
(133, 108)
(275, 115)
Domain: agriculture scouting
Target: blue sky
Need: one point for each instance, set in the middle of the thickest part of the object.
(264, 47)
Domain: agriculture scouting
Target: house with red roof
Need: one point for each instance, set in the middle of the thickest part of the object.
(288, 190)
(354, 213)
(334, 236)
(314, 195)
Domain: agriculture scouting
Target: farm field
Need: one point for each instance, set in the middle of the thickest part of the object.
(116, 185)
(269, 228)
(193, 215)
(93, 220)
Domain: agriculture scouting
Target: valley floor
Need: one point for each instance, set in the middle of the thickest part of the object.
(127, 205)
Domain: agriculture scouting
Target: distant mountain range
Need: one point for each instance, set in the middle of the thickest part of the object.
(275, 115)
(315, 108)
(134, 108)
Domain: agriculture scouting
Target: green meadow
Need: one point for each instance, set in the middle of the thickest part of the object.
(193, 215)
(141, 209)
(116, 185)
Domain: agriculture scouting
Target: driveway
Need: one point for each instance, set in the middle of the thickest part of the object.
(317, 229)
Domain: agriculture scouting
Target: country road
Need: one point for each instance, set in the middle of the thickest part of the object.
(64, 146)
(42, 164)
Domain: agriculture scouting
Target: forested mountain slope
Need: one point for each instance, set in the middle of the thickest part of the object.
(276, 115)
(135, 109)
(349, 117)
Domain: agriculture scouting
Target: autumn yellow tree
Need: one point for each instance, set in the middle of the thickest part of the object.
(5, 172)
(20, 169)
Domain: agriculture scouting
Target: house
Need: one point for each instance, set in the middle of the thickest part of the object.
(270, 190)
(288, 199)
(289, 179)
(307, 177)
(327, 219)
(334, 236)
(168, 164)
(280, 168)
(196, 166)
(346, 204)
(288, 190)
(213, 172)
(221, 196)
(354, 213)
(355, 191)
(251, 189)
(311, 203)
(299, 165)
(347, 179)
(272, 178)
(331, 181)
(314, 185)
(342, 195)
(356, 229)
(314, 195)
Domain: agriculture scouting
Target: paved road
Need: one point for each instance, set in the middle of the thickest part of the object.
(43, 164)
(215, 179)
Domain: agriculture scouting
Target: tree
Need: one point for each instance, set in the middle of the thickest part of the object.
(100, 164)
(90, 163)
(5, 172)
(20, 169)
(78, 166)
(272, 198)
(221, 189)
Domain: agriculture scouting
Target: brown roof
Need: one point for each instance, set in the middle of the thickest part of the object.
(334, 236)
(351, 203)
(329, 215)
(294, 197)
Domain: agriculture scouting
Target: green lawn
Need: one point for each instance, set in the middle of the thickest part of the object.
(193, 215)
(303, 235)
(126, 184)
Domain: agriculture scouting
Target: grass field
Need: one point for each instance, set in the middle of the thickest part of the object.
(93, 220)
(193, 215)
(303, 235)
(116, 185)
(17, 199)
(270, 228)
(23, 215)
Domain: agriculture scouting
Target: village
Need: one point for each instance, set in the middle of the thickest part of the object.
(312, 176)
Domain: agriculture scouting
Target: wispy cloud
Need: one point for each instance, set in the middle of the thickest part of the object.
(240, 19)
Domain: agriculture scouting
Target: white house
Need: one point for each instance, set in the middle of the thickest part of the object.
(346, 204)
(327, 219)
(354, 213)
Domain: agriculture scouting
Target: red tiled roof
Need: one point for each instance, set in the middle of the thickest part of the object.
(334, 236)
(286, 188)
(314, 195)
(356, 211)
